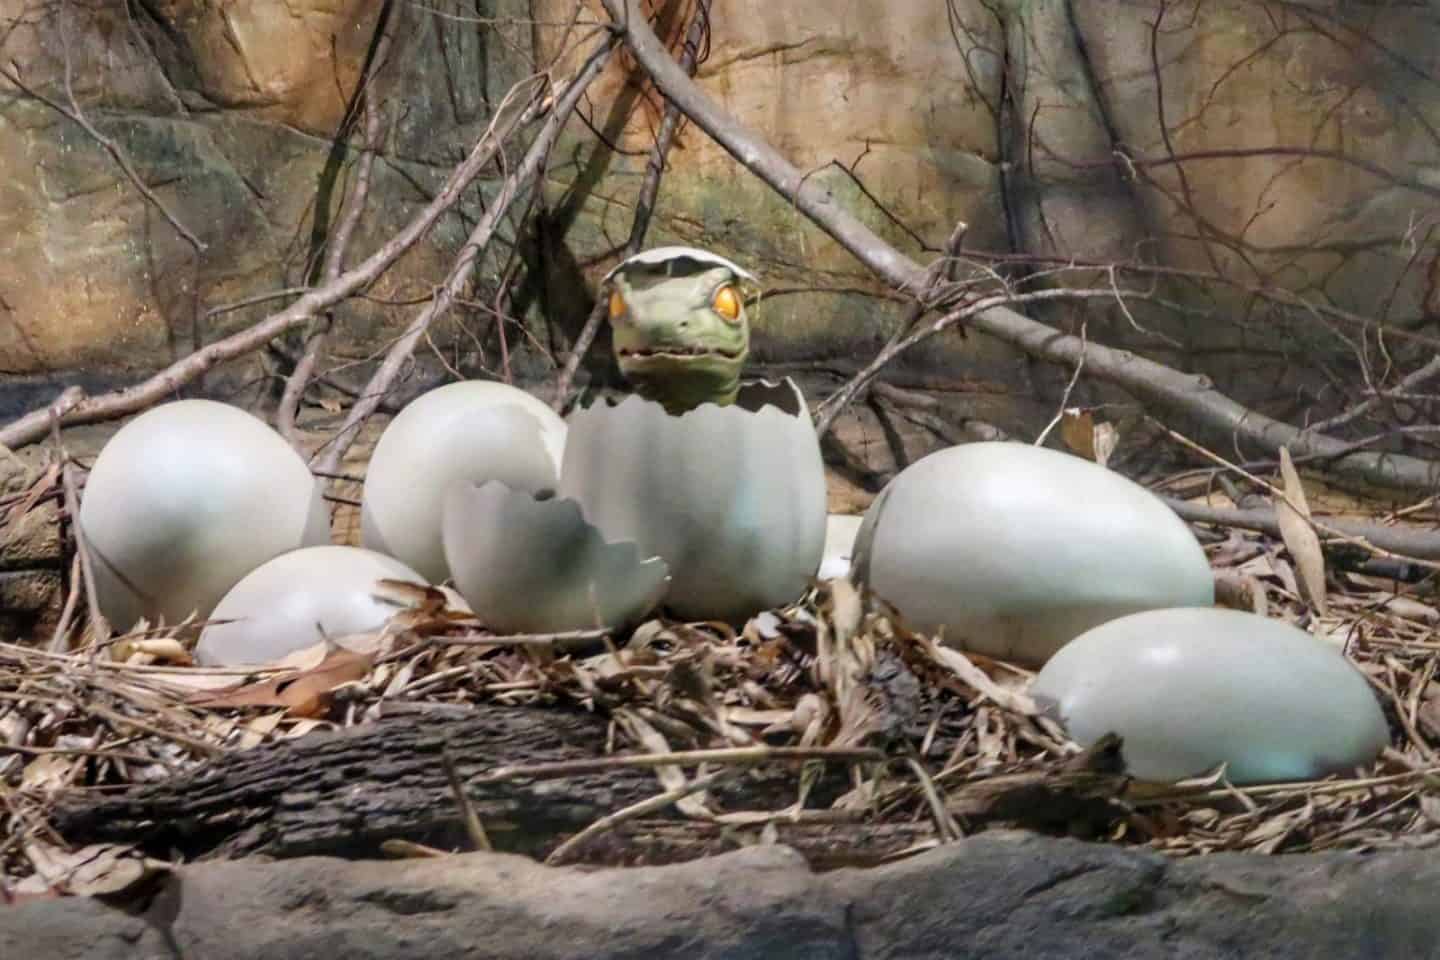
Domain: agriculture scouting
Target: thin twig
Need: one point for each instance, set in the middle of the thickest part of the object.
(352, 208)
(167, 382)
(529, 169)
(638, 809)
(1149, 381)
(743, 756)
(478, 837)
(75, 114)
(1275, 491)
(644, 205)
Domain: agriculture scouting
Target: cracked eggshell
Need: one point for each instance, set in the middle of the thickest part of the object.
(185, 500)
(658, 255)
(1015, 550)
(298, 599)
(1188, 689)
(732, 497)
(469, 432)
(535, 566)
(841, 532)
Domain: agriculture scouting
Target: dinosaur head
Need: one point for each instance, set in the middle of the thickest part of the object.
(679, 326)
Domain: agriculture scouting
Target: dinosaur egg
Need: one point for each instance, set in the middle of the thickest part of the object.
(528, 565)
(1015, 550)
(840, 534)
(470, 431)
(185, 500)
(731, 497)
(1189, 689)
(298, 599)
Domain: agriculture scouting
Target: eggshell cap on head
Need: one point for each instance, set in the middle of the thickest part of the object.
(1188, 689)
(659, 255)
(733, 499)
(298, 599)
(1015, 550)
(185, 500)
(471, 432)
(535, 566)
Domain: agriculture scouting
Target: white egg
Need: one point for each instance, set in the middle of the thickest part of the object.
(298, 599)
(1015, 550)
(185, 500)
(840, 534)
(732, 498)
(470, 432)
(1188, 689)
(535, 566)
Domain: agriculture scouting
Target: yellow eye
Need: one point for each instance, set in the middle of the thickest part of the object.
(727, 303)
(617, 305)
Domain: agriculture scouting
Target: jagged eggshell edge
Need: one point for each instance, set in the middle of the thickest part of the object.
(535, 566)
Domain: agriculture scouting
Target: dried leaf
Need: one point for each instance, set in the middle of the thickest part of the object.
(1107, 438)
(1077, 429)
(100, 870)
(48, 772)
(303, 694)
(1299, 534)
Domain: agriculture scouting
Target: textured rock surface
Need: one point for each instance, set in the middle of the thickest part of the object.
(998, 896)
(1005, 114)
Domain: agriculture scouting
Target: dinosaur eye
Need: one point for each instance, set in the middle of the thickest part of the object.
(617, 305)
(727, 303)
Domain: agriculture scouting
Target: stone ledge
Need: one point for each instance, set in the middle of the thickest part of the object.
(999, 895)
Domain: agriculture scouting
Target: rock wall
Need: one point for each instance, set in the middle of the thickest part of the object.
(996, 896)
(1276, 143)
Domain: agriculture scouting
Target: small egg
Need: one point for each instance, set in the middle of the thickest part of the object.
(185, 500)
(1188, 689)
(732, 498)
(298, 599)
(528, 565)
(1015, 550)
(472, 431)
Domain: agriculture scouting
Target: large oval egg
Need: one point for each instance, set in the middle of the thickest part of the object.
(185, 500)
(1015, 550)
(528, 565)
(472, 431)
(732, 498)
(298, 599)
(1189, 689)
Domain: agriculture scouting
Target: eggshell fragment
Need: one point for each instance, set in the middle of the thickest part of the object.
(185, 500)
(535, 566)
(1015, 550)
(1188, 689)
(470, 432)
(298, 599)
(732, 498)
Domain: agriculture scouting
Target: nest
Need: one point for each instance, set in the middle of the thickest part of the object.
(874, 725)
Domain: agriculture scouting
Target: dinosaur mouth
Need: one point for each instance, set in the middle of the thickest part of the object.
(676, 353)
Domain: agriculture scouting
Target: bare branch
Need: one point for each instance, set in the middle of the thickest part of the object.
(33, 425)
(1158, 385)
(530, 168)
(352, 208)
(74, 113)
(644, 203)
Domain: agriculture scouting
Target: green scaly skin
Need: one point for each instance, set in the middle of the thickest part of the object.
(671, 344)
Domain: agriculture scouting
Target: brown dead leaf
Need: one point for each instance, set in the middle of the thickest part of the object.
(1299, 534)
(303, 694)
(1077, 429)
